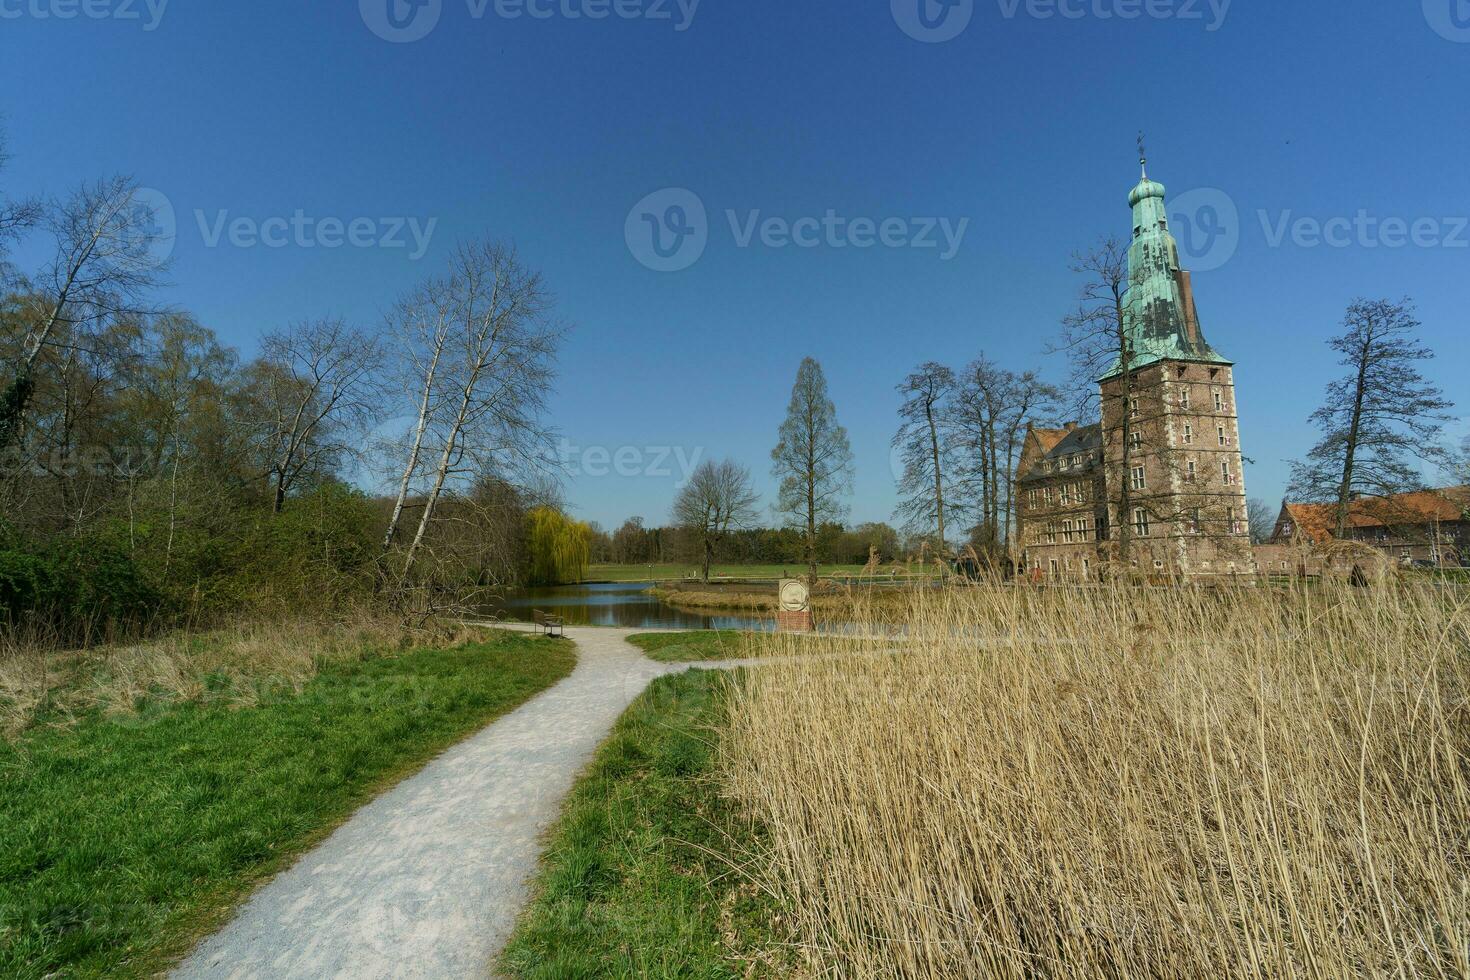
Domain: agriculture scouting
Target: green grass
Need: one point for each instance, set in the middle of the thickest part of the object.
(631, 884)
(683, 648)
(122, 842)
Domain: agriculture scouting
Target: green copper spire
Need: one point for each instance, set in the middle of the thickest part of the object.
(1163, 323)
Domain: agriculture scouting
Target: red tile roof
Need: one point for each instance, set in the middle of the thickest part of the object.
(1447, 505)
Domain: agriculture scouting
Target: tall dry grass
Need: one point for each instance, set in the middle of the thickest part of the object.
(236, 664)
(1124, 783)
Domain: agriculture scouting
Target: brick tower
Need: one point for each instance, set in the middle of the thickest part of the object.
(1169, 433)
(1184, 471)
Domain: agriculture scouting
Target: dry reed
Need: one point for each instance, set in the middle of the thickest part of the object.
(237, 664)
(1124, 783)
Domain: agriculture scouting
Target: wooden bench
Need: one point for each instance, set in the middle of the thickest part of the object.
(547, 624)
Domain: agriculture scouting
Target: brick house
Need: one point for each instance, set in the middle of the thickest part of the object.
(1429, 526)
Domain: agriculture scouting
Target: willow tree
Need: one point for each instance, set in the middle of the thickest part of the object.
(560, 548)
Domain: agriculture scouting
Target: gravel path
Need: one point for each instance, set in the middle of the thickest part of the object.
(427, 880)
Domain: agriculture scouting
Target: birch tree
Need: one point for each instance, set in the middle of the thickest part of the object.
(320, 395)
(102, 265)
(924, 448)
(491, 350)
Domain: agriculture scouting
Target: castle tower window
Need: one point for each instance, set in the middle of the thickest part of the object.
(1140, 480)
(1133, 407)
(1140, 522)
(1219, 402)
(1188, 434)
(1224, 439)
(1225, 474)
(1184, 399)
(1189, 471)
(1137, 439)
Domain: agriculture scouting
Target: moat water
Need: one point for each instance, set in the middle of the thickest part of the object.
(623, 604)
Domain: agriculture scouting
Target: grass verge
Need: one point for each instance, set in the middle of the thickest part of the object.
(634, 881)
(123, 839)
(688, 648)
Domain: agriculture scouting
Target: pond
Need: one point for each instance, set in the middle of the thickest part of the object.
(617, 604)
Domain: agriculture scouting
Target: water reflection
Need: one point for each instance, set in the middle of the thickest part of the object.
(617, 604)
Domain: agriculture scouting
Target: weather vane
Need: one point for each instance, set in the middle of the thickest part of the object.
(1142, 154)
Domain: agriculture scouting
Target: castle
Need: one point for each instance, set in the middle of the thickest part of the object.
(1161, 475)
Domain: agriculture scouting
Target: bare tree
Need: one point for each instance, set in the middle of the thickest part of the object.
(316, 382)
(1379, 420)
(103, 264)
(989, 414)
(1098, 340)
(1262, 520)
(15, 216)
(493, 343)
(813, 461)
(923, 443)
(718, 499)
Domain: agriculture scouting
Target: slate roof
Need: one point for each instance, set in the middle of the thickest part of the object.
(1058, 444)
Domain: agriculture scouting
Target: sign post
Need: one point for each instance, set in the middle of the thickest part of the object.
(794, 614)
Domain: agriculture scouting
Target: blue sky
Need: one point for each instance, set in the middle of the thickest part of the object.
(548, 130)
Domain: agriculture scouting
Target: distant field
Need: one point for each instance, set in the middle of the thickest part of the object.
(668, 573)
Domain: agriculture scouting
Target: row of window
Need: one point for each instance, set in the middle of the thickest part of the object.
(1068, 532)
(1139, 476)
(1194, 523)
(1184, 402)
(1074, 461)
(1222, 435)
(1068, 493)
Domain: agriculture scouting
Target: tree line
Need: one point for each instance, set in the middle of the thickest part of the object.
(149, 473)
